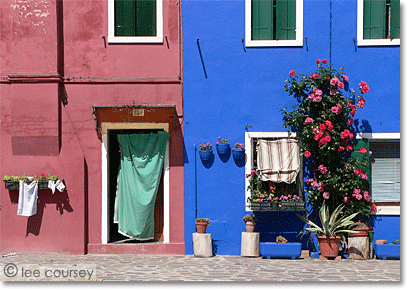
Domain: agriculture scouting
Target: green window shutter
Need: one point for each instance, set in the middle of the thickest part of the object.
(362, 143)
(125, 17)
(374, 19)
(285, 19)
(146, 18)
(262, 20)
(395, 19)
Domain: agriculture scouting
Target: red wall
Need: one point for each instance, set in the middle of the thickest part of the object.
(53, 70)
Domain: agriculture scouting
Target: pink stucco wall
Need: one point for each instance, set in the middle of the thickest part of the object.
(54, 67)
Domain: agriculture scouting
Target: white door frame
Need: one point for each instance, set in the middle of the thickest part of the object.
(166, 176)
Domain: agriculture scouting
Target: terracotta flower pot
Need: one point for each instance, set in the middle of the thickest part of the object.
(250, 227)
(380, 242)
(201, 227)
(329, 246)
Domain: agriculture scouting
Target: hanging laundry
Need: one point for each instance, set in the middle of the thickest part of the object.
(27, 199)
(56, 185)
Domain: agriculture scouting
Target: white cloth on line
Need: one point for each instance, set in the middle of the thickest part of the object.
(56, 185)
(27, 199)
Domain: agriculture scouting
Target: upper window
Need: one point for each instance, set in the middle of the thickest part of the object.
(274, 23)
(135, 21)
(378, 22)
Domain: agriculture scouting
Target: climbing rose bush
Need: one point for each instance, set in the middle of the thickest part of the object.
(323, 118)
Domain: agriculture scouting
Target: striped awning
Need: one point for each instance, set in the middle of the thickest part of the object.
(278, 160)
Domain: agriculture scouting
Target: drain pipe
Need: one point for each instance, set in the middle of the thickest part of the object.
(195, 179)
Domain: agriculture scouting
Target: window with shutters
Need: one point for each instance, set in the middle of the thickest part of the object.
(378, 22)
(286, 183)
(135, 21)
(271, 23)
(385, 167)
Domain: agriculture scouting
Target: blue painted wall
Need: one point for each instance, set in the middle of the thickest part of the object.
(228, 86)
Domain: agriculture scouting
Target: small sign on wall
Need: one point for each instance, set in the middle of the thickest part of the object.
(138, 112)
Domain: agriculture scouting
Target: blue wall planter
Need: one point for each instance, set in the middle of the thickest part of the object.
(223, 149)
(385, 251)
(238, 154)
(205, 155)
(280, 250)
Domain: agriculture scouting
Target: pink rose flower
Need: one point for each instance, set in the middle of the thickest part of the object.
(318, 92)
(292, 73)
(322, 127)
(334, 81)
(349, 148)
(324, 60)
(308, 121)
(253, 171)
(345, 199)
(359, 196)
(317, 61)
(315, 130)
(363, 150)
(345, 134)
(366, 196)
(323, 169)
(341, 148)
(356, 172)
(321, 187)
(307, 154)
(310, 180)
(373, 207)
(317, 99)
(361, 103)
(340, 85)
(353, 111)
(333, 92)
(362, 83)
(365, 89)
(326, 195)
(315, 184)
(356, 191)
(345, 78)
(350, 121)
(370, 153)
(336, 110)
(364, 176)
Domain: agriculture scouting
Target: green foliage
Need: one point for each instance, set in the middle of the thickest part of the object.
(323, 119)
(332, 225)
(250, 218)
(280, 239)
(206, 220)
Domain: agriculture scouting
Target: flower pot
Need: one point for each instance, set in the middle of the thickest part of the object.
(205, 155)
(384, 251)
(11, 184)
(250, 226)
(361, 232)
(222, 149)
(201, 227)
(238, 154)
(380, 242)
(329, 246)
(280, 250)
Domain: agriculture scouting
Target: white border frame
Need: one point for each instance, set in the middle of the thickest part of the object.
(274, 43)
(360, 31)
(135, 39)
(166, 177)
(250, 158)
(383, 210)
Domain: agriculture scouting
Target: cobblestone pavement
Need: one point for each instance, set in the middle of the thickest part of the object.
(62, 267)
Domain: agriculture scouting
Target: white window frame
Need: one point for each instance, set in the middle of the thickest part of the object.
(135, 39)
(383, 210)
(274, 43)
(250, 158)
(360, 31)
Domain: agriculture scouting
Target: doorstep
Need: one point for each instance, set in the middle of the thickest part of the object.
(138, 249)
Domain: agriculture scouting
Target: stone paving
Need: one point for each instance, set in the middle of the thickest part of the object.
(23, 267)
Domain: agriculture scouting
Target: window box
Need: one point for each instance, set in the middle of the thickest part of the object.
(11, 184)
(264, 206)
(281, 250)
(385, 251)
(292, 206)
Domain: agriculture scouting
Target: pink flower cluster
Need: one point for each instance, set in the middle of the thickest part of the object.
(363, 174)
(314, 76)
(252, 173)
(308, 120)
(292, 73)
(336, 81)
(318, 61)
(316, 96)
(322, 169)
(364, 87)
(337, 109)
(320, 133)
(360, 195)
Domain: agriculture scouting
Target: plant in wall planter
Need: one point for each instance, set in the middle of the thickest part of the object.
(281, 249)
(201, 224)
(223, 146)
(205, 151)
(250, 222)
(12, 182)
(238, 152)
(261, 198)
(333, 227)
(281, 239)
(291, 203)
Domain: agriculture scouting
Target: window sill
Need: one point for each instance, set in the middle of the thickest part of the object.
(273, 43)
(135, 39)
(378, 42)
(388, 210)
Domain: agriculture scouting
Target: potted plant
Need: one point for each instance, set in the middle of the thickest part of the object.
(333, 226)
(281, 239)
(238, 152)
(291, 202)
(11, 182)
(222, 146)
(201, 224)
(261, 196)
(205, 151)
(250, 222)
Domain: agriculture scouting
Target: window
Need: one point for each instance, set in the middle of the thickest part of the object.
(251, 141)
(273, 23)
(378, 22)
(135, 21)
(384, 174)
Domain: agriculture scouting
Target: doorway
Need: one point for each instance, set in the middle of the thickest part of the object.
(111, 162)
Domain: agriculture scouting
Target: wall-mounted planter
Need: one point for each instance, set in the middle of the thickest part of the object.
(264, 206)
(385, 251)
(280, 250)
(16, 184)
(223, 149)
(205, 155)
(238, 154)
(292, 206)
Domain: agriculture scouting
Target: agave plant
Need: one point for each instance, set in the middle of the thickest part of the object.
(332, 225)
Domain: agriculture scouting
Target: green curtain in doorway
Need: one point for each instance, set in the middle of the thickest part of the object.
(141, 165)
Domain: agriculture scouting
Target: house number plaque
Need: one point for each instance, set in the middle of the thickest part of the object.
(138, 112)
